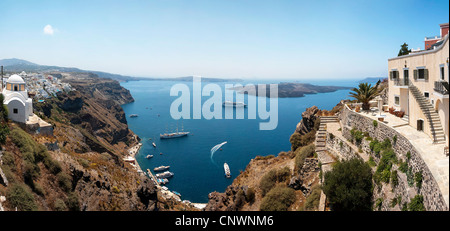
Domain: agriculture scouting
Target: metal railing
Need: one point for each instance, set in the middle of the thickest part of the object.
(401, 82)
(439, 87)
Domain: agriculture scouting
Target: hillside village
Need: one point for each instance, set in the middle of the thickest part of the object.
(42, 85)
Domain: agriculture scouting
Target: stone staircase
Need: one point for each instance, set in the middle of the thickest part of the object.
(321, 134)
(321, 150)
(436, 128)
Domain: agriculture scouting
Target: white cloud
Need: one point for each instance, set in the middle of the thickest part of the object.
(49, 30)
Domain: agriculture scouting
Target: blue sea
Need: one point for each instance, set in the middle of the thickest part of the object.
(189, 158)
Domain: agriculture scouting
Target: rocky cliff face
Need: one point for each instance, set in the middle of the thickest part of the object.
(94, 110)
(309, 117)
(91, 137)
(236, 196)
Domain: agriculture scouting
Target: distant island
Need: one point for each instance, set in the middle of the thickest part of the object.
(19, 65)
(289, 90)
(371, 79)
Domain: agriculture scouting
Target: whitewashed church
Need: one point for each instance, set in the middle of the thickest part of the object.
(20, 106)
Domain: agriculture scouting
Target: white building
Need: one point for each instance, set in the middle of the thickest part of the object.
(20, 107)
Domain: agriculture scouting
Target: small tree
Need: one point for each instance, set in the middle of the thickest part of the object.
(348, 186)
(404, 50)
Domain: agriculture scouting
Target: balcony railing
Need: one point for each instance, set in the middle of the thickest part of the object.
(439, 87)
(401, 82)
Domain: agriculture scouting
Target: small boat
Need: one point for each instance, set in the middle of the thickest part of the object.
(162, 180)
(160, 153)
(165, 174)
(161, 168)
(227, 170)
(133, 115)
(176, 193)
(149, 156)
(154, 145)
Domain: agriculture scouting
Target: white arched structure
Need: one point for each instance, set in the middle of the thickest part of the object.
(20, 107)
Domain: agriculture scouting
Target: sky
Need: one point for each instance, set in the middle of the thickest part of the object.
(264, 39)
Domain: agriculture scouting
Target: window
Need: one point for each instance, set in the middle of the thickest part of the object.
(397, 100)
(426, 94)
(441, 68)
(421, 74)
(394, 74)
(15, 110)
(15, 88)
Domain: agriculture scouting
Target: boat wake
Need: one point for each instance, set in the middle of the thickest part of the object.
(214, 149)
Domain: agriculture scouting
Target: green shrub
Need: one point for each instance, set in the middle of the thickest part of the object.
(379, 203)
(8, 159)
(357, 136)
(250, 197)
(394, 178)
(240, 198)
(298, 140)
(60, 205)
(72, 202)
(4, 131)
(408, 155)
(270, 179)
(64, 181)
(18, 195)
(313, 200)
(32, 151)
(418, 179)
(348, 186)
(416, 204)
(302, 154)
(371, 162)
(278, 199)
(53, 166)
(403, 167)
(375, 123)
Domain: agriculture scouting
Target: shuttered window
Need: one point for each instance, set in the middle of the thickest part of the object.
(393, 74)
(421, 74)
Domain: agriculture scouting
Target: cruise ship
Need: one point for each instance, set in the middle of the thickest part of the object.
(174, 134)
(234, 104)
(227, 170)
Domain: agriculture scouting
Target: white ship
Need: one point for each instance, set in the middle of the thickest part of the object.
(133, 115)
(234, 104)
(165, 174)
(161, 168)
(227, 170)
(174, 134)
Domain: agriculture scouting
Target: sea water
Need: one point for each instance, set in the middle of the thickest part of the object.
(189, 158)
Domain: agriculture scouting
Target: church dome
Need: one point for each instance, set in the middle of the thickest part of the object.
(15, 79)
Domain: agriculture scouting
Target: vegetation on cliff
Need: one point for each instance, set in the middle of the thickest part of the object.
(348, 186)
(84, 168)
